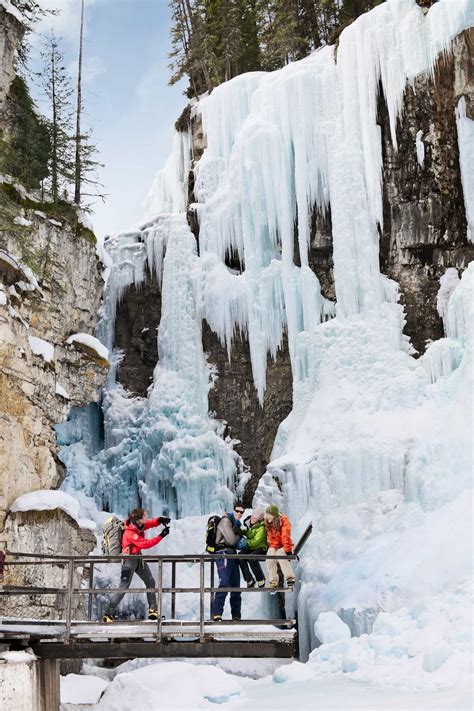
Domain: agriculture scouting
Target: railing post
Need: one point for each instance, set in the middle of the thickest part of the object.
(212, 585)
(201, 599)
(173, 585)
(90, 596)
(70, 584)
(159, 586)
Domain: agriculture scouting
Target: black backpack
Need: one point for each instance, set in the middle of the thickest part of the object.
(211, 533)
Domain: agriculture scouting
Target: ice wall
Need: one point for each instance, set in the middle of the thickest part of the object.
(306, 136)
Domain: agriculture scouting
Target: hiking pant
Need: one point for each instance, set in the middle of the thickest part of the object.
(229, 577)
(143, 571)
(285, 565)
(254, 565)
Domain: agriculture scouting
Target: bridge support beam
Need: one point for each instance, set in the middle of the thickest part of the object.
(31, 685)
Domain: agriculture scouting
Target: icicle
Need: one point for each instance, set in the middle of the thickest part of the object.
(465, 128)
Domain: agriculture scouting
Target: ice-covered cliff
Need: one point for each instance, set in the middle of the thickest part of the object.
(332, 210)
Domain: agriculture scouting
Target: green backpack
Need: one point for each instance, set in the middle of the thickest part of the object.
(112, 536)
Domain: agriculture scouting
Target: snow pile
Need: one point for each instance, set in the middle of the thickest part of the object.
(81, 689)
(427, 644)
(22, 221)
(20, 657)
(330, 628)
(48, 500)
(177, 685)
(91, 342)
(41, 348)
(62, 392)
(12, 10)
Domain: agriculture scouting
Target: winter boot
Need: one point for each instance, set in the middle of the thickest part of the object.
(236, 619)
(108, 618)
(217, 618)
(152, 613)
(251, 583)
(261, 583)
(273, 584)
(290, 581)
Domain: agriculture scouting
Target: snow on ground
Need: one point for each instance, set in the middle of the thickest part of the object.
(81, 689)
(184, 685)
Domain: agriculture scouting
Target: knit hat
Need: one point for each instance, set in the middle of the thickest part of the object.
(273, 511)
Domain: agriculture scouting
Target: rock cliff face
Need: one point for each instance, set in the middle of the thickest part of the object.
(424, 232)
(48, 533)
(50, 288)
(11, 32)
(425, 228)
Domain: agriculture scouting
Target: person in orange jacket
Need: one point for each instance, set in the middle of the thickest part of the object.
(279, 543)
(133, 543)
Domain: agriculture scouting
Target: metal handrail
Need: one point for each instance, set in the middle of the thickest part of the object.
(72, 563)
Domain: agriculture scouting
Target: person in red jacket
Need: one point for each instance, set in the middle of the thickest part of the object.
(280, 543)
(133, 543)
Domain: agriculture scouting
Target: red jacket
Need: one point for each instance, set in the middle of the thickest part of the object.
(133, 539)
(282, 537)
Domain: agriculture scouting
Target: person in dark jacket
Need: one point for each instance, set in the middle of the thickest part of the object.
(133, 542)
(228, 536)
(254, 541)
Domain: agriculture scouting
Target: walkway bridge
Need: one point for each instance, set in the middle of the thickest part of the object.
(70, 631)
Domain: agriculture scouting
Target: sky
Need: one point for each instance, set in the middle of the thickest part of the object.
(128, 103)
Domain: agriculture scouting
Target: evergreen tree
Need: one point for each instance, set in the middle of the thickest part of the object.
(25, 150)
(85, 165)
(58, 91)
(215, 40)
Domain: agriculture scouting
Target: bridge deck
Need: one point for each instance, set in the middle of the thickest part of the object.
(179, 638)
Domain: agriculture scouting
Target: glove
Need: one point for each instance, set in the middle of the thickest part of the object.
(165, 532)
(164, 520)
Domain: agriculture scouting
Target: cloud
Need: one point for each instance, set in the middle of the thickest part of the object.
(150, 84)
(66, 23)
(93, 68)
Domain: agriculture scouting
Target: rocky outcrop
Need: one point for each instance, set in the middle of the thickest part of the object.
(11, 33)
(51, 284)
(47, 533)
(138, 317)
(425, 229)
(233, 398)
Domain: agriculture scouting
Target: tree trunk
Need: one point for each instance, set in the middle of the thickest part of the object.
(77, 172)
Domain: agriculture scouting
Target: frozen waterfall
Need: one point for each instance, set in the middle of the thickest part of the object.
(365, 453)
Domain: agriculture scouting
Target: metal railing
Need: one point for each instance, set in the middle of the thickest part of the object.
(85, 567)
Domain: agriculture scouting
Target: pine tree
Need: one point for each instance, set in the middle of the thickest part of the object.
(58, 91)
(85, 164)
(25, 151)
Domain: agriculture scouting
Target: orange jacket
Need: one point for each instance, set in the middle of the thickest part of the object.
(282, 537)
